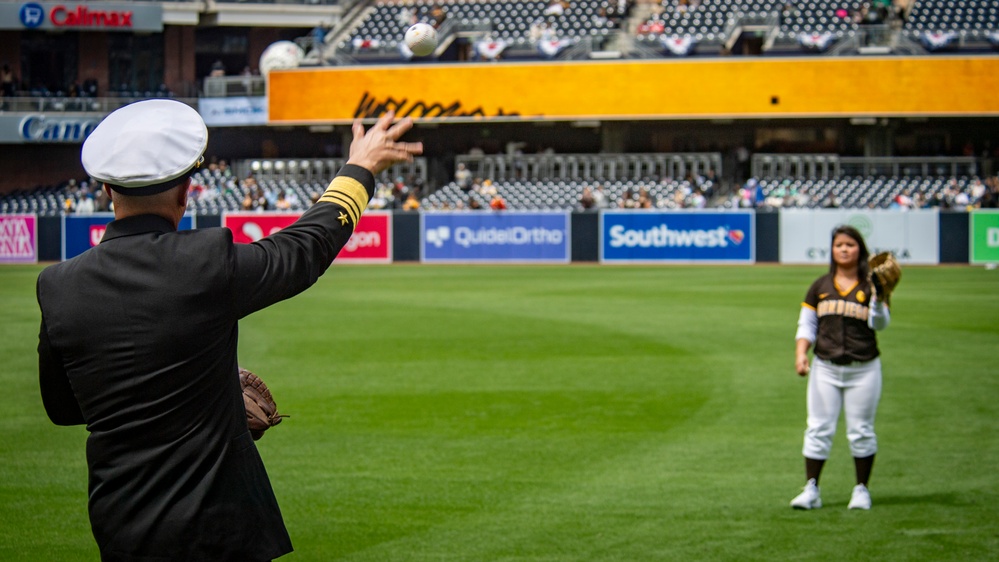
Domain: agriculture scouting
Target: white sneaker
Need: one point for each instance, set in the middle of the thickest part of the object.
(861, 498)
(808, 498)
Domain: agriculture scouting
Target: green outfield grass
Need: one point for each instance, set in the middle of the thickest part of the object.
(567, 413)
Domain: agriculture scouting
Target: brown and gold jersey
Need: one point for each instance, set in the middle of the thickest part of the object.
(843, 335)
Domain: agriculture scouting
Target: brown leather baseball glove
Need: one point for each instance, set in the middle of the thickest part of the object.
(261, 411)
(885, 275)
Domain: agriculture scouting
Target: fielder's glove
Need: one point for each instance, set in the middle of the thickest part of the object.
(261, 411)
(885, 275)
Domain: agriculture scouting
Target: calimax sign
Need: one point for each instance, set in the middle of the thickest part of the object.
(89, 16)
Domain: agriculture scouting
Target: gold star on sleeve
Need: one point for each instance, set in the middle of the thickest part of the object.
(343, 218)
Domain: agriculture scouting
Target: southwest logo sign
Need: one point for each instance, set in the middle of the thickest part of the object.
(683, 237)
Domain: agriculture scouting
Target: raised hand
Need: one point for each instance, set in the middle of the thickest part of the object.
(379, 147)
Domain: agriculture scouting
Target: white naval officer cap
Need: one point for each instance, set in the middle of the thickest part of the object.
(138, 149)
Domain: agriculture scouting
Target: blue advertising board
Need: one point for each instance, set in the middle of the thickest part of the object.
(680, 237)
(495, 237)
(82, 232)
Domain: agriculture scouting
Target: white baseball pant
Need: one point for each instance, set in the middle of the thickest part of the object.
(853, 388)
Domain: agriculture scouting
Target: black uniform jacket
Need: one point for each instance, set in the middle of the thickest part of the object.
(138, 341)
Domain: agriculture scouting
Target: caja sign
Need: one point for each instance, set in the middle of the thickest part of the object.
(81, 16)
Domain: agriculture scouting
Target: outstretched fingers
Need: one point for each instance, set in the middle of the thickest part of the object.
(379, 147)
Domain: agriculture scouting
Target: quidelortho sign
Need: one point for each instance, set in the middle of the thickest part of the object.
(81, 16)
(913, 236)
(495, 237)
(984, 230)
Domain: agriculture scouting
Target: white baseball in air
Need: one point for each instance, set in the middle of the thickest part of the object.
(282, 54)
(421, 38)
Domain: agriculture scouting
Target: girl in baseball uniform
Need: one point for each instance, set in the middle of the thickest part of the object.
(839, 319)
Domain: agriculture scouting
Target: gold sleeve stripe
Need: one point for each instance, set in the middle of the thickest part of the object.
(340, 199)
(349, 194)
(806, 305)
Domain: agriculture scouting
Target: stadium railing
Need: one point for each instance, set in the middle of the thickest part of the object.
(828, 166)
(639, 166)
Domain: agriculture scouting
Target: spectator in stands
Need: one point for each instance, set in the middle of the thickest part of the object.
(8, 86)
(282, 203)
(627, 200)
(319, 38)
(831, 201)
(976, 190)
(437, 16)
(901, 9)
(218, 69)
(698, 200)
(497, 203)
(586, 200)
(554, 8)
(86, 205)
(412, 202)
(645, 199)
(600, 200)
(102, 203)
(487, 189)
(384, 198)
(473, 204)
(990, 199)
(961, 199)
(224, 170)
(406, 17)
(600, 19)
(463, 177)
(90, 88)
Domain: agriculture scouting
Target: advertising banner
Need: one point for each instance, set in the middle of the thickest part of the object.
(984, 230)
(913, 236)
(678, 237)
(512, 91)
(82, 232)
(18, 239)
(46, 128)
(371, 241)
(495, 237)
(223, 112)
(81, 16)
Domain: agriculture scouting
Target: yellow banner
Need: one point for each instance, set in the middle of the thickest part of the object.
(666, 89)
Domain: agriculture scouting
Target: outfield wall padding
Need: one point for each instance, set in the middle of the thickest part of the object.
(954, 236)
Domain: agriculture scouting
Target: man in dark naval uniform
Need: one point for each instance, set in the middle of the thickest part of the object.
(139, 336)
